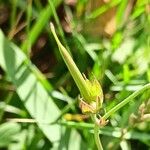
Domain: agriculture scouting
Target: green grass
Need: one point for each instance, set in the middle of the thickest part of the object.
(37, 91)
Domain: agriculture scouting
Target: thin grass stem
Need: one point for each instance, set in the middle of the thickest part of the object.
(125, 101)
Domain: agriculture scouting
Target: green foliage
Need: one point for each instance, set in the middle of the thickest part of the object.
(37, 92)
(8, 131)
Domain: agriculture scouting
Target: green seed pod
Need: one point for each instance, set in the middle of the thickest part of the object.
(91, 91)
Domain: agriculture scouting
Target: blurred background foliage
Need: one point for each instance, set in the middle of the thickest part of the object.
(108, 39)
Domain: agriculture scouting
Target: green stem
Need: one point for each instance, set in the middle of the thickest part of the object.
(58, 24)
(96, 133)
(97, 138)
(7, 100)
(125, 101)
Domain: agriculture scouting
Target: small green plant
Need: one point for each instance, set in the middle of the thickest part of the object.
(91, 92)
(91, 98)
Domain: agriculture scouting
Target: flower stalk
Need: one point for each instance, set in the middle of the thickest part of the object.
(96, 132)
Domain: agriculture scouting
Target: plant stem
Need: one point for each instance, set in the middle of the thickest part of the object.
(7, 100)
(125, 101)
(58, 24)
(97, 138)
(96, 133)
